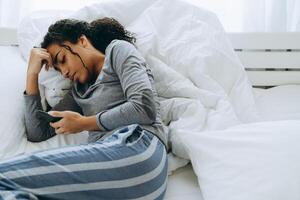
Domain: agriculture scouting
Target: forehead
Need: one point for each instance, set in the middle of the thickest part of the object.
(53, 49)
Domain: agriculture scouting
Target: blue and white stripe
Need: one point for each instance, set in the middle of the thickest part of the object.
(130, 164)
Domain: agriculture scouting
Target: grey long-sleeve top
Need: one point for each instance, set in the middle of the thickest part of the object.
(122, 94)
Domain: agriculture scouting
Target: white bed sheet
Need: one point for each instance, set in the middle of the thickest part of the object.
(183, 184)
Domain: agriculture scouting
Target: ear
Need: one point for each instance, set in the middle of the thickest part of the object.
(83, 41)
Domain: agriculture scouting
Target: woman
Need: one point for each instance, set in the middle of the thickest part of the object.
(113, 97)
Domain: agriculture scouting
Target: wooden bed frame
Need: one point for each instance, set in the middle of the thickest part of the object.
(270, 59)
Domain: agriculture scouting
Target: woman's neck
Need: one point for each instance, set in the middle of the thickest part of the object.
(98, 61)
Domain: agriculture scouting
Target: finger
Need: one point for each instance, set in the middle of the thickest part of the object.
(52, 125)
(57, 113)
(43, 50)
(56, 124)
(59, 130)
(48, 58)
(39, 48)
(62, 131)
(45, 61)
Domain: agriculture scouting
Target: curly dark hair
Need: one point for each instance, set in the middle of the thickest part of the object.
(100, 32)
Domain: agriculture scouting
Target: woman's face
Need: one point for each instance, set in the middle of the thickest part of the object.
(70, 64)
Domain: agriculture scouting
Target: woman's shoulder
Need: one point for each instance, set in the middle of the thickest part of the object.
(116, 45)
(120, 51)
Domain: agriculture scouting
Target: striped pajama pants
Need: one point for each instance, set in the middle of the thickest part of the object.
(129, 164)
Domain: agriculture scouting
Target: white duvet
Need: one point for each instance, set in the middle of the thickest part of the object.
(206, 99)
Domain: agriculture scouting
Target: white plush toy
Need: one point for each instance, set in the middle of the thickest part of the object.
(54, 85)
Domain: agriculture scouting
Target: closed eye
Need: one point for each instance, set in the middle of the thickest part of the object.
(63, 60)
(56, 68)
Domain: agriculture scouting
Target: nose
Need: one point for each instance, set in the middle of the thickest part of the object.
(65, 74)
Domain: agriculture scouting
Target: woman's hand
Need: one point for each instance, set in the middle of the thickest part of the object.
(38, 57)
(73, 122)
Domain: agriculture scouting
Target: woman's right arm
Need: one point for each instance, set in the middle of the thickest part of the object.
(38, 130)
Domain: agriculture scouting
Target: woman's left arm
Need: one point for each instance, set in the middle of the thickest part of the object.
(134, 76)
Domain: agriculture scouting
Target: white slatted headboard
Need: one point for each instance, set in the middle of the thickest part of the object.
(8, 36)
(270, 59)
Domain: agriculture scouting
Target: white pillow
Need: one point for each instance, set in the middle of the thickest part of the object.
(12, 85)
(279, 103)
(258, 161)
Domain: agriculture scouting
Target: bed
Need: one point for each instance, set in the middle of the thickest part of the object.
(182, 184)
(272, 64)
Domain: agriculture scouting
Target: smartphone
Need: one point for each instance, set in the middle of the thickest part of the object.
(47, 117)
